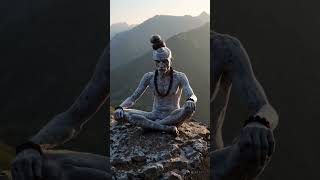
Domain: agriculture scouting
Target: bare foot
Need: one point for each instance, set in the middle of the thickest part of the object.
(173, 130)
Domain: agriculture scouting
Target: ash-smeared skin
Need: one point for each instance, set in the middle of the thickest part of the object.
(166, 112)
(68, 124)
(29, 165)
(251, 152)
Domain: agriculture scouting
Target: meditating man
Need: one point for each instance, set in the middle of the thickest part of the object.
(166, 86)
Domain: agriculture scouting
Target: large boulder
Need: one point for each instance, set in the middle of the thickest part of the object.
(140, 154)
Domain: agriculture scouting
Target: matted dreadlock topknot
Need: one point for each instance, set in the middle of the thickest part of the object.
(157, 42)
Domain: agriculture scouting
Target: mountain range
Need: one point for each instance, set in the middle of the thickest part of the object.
(119, 27)
(129, 45)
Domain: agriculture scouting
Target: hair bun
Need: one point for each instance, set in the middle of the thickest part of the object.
(157, 42)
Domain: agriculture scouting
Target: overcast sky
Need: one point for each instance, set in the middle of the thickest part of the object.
(137, 11)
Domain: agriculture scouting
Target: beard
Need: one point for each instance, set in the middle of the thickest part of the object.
(163, 70)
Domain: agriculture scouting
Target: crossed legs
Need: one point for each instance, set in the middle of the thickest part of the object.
(151, 120)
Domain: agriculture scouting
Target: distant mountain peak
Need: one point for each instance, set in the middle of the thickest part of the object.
(204, 15)
(120, 23)
(119, 27)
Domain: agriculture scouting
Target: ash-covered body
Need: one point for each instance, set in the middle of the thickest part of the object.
(162, 106)
(166, 110)
(167, 86)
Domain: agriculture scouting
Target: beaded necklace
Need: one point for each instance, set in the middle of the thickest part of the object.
(156, 83)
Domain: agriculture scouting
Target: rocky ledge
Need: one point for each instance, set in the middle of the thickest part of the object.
(139, 154)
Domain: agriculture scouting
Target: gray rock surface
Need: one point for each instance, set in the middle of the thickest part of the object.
(140, 154)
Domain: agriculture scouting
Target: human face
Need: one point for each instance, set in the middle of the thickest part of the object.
(163, 65)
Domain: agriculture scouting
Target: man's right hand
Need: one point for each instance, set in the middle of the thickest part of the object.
(250, 154)
(118, 114)
(27, 165)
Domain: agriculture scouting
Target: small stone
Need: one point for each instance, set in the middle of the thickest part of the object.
(185, 172)
(201, 146)
(172, 176)
(131, 175)
(175, 150)
(196, 160)
(178, 140)
(139, 158)
(177, 163)
(192, 154)
(118, 161)
(152, 171)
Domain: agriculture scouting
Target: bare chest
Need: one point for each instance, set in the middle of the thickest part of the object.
(165, 86)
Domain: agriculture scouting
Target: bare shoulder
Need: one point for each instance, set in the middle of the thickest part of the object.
(179, 75)
(224, 47)
(224, 40)
(148, 76)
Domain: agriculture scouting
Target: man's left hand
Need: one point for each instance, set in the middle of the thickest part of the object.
(258, 140)
(190, 105)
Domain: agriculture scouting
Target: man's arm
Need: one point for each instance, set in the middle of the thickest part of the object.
(144, 83)
(246, 85)
(66, 125)
(247, 158)
(187, 88)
